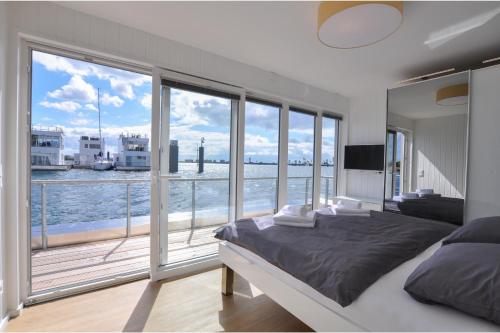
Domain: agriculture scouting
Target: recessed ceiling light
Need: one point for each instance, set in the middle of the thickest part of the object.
(352, 24)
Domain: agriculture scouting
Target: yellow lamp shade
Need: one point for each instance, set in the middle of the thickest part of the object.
(352, 24)
(453, 95)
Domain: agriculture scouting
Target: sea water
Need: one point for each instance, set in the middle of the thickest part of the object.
(67, 204)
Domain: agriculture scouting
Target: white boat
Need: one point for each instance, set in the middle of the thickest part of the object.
(101, 165)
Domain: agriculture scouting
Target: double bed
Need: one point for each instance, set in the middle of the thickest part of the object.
(381, 305)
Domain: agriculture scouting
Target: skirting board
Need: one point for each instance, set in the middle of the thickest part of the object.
(302, 306)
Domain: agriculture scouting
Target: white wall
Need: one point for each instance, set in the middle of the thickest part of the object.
(3, 56)
(367, 121)
(483, 184)
(439, 152)
(81, 31)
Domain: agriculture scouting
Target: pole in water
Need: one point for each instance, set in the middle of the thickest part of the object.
(201, 156)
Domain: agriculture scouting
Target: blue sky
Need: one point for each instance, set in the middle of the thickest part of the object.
(64, 94)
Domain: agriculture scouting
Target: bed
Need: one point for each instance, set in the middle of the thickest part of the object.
(383, 306)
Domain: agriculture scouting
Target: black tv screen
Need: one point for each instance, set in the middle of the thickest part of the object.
(364, 157)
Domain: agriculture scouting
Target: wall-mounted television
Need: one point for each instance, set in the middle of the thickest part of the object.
(364, 157)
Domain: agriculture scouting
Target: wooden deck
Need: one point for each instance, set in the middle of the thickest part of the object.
(69, 265)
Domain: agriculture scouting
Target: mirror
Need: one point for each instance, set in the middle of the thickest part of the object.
(426, 149)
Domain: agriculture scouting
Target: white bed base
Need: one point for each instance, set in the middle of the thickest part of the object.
(314, 314)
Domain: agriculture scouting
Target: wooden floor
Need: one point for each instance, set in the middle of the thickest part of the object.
(194, 303)
(65, 266)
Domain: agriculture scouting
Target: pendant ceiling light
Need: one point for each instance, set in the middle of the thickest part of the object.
(453, 95)
(351, 24)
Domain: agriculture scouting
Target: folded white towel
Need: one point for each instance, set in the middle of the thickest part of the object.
(310, 224)
(351, 204)
(351, 212)
(325, 211)
(409, 195)
(293, 218)
(295, 210)
(425, 191)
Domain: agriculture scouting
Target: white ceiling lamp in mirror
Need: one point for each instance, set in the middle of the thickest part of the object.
(453, 95)
(352, 24)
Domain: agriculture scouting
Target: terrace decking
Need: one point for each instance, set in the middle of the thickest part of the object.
(68, 265)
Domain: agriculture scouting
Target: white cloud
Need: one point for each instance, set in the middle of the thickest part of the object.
(90, 107)
(198, 109)
(120, 80)
(122, 87)
(80, 122)
(76, 89)
(107, 99)
(66, 106)
(146, 101)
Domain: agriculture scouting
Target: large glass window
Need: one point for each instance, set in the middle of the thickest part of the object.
(198, 131)
(329, 147)
(262, 126)
(85, 205)
(300, 157)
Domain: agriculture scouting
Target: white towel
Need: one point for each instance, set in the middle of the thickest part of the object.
(351, 204)
(409, 195)
(351, 212)
(295, 210)
(425, 191)
(308, 224)
(295, 216)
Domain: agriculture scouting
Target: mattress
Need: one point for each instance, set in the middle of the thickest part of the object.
(384, 306)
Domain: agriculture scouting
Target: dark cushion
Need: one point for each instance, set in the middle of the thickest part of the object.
(483, 230)
(464, 276)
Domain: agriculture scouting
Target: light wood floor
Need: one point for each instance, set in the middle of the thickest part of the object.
(65, 266)
(193, 303)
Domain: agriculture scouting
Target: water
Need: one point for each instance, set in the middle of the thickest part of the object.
(84, 203)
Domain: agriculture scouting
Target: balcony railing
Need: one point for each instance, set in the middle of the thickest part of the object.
(44, 184)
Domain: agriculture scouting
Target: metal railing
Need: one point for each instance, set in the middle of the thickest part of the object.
(45, 183)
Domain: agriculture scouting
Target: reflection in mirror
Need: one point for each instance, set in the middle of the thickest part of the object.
(426, 149)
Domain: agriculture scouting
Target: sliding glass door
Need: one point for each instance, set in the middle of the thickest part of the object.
(262, 128)
(329, 153)
(196, 169)
(300, 157)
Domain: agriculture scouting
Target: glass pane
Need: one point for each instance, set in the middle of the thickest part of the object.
(198, 192)
(300, 158)
(328, 161)
(398, 168)
(90, 179)
(389, 165)
(262, 124)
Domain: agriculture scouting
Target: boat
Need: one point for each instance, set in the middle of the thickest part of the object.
(100, 163)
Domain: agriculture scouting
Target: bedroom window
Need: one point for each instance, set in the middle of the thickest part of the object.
(262, 127)
(329, 149)
(300, 156)
(196, 168)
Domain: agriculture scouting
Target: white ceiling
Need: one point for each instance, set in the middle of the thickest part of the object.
(418, 101)
(281, 37)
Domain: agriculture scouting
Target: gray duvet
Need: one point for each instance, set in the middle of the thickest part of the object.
(342, 255)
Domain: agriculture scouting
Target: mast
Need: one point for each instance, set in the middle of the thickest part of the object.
(100, 135)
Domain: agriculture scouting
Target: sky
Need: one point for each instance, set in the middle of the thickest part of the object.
(64, 94)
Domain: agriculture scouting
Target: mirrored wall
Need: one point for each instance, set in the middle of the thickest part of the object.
(426, 149)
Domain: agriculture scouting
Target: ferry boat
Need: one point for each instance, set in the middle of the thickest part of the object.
(133, 153)
(47, 146)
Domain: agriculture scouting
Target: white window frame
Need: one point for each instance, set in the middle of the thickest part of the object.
(27, 46)
(161, 122)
